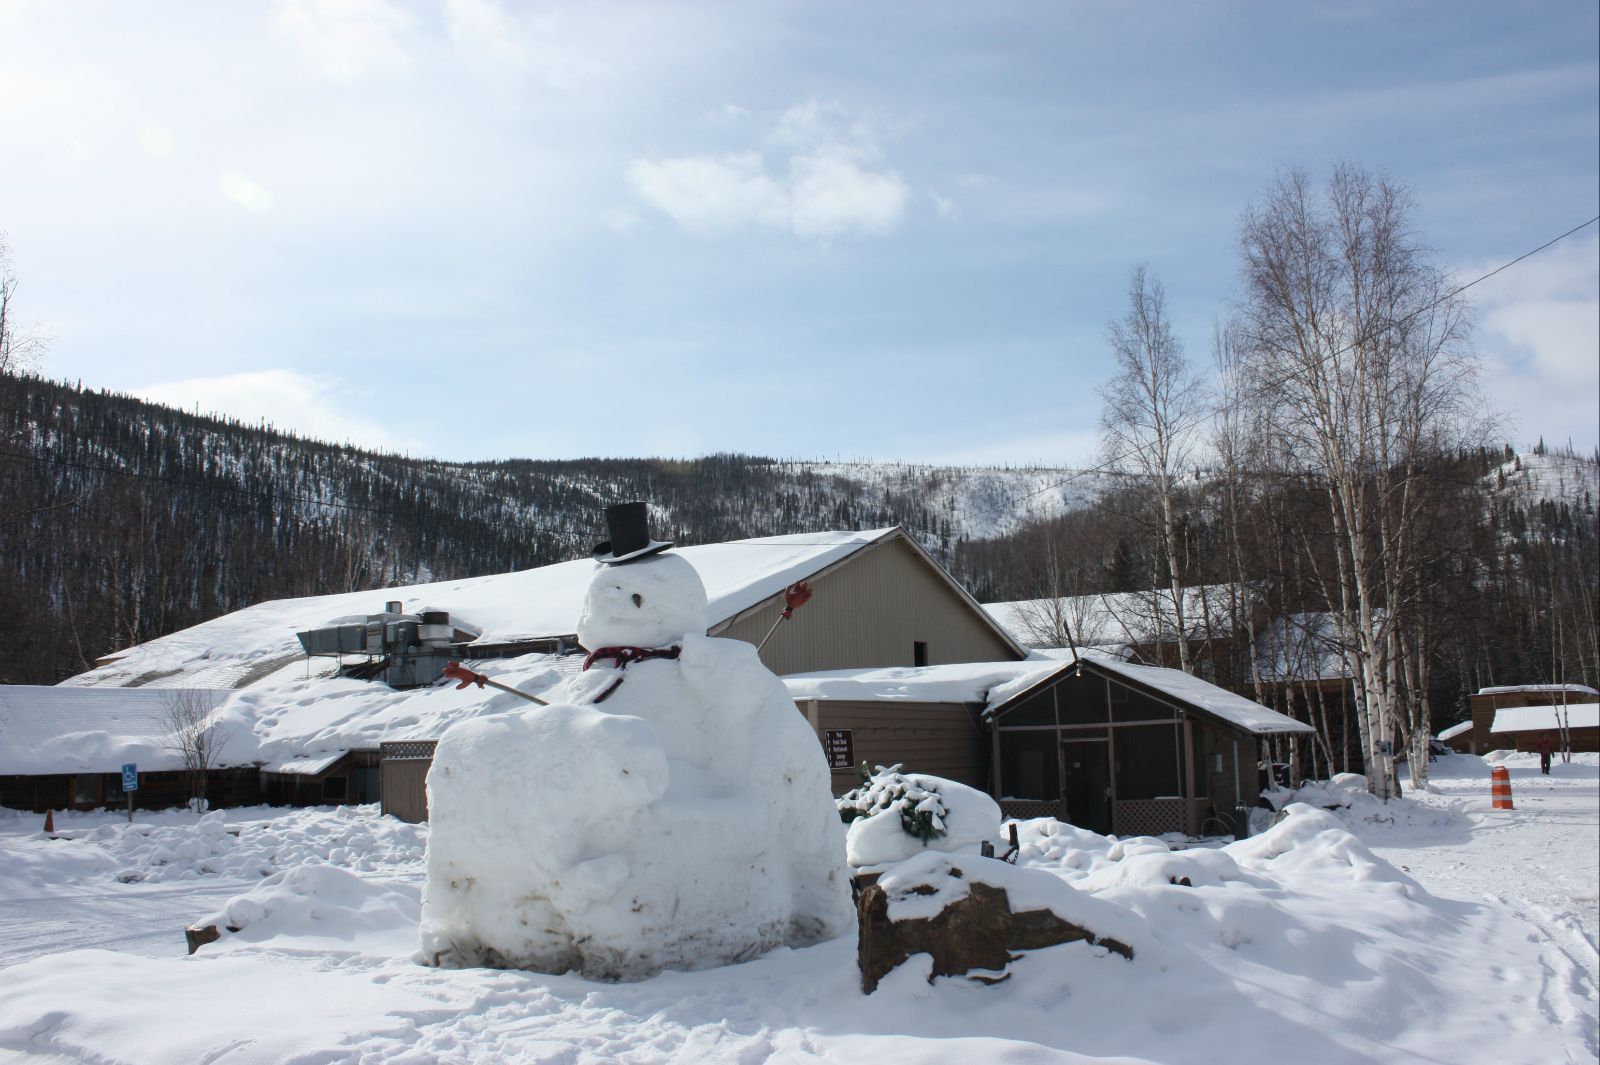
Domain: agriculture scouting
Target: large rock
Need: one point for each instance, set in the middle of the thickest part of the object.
(961, 912)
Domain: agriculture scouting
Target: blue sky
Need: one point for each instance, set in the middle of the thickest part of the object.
(891, 231)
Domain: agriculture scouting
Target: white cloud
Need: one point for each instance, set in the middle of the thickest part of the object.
(545, 44)
(248, 194)
(829, 195)
(345, 39)
(1539, 330)
(288, 400)
(826, 182)
(157, 141)
(708, 194)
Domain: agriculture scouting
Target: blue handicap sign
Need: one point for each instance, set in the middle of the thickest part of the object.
(130, 777)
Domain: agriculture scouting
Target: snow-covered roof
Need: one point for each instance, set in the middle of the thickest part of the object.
(1533, 718)
(309, 767)
(238, 649)
(1455, 730)
(1120, 617)
(1302, 646)
(1246, 713)
(46, 729)
(966, 682)
(1538, 689)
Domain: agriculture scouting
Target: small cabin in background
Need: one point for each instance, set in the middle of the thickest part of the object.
(1568, 727)
(1489, 701)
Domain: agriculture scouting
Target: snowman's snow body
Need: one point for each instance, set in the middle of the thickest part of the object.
(683, 822)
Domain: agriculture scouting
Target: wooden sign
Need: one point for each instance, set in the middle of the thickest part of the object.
(841, 748)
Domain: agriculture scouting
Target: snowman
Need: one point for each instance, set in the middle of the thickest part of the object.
(669, 810)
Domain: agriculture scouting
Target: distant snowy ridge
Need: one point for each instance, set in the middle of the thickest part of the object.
(1552, 477)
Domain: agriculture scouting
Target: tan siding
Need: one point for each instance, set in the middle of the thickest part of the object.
(404, 779)
(935, 738)
(870, 612)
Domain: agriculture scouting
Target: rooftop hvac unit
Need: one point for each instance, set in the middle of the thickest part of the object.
(412, 648)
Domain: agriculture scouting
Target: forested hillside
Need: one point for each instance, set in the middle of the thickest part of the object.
(123, 521)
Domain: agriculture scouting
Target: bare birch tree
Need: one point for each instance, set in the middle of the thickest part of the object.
(1351, 336)
(194, 735)
(19, 349)
(1152, 408)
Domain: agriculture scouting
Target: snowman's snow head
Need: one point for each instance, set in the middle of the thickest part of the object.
(654, 602)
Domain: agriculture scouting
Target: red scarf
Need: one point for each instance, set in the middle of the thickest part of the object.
(623, 656)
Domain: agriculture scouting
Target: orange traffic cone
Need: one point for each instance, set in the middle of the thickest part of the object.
(1500, 787)
(49, 822)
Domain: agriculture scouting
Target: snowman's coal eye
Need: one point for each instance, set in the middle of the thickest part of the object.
(638, 600)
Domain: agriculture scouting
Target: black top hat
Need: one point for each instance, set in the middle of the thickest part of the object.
(629, 527)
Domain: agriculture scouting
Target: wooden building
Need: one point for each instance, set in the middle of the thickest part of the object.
(1490, 700)
(1131, 750)
(879, 600)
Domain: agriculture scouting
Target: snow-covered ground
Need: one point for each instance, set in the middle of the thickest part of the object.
(1431, 930)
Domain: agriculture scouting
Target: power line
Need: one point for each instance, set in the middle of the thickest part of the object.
(1106, 468)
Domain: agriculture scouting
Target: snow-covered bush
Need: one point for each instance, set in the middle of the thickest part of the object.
(894, 815)
(915, 798)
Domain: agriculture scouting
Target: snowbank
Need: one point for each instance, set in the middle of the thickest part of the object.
(1299, 944)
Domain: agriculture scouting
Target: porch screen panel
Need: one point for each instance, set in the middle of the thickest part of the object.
(1130, 705)
(1082, 700)
(1037, 710)
(1030, 765)
(1147, 762)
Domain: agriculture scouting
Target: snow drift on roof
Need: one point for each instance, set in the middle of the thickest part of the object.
(1533, 718)
(46, 729)
(1455, 730)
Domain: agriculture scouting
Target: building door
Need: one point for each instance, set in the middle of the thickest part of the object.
(1086, 783)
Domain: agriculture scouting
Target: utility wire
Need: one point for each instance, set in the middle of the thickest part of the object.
(1106, 467)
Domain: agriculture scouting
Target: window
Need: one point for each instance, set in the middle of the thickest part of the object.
(334, 788)
(86, 789)
(919, 653)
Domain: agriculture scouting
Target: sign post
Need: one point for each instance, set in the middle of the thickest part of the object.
(130, 784)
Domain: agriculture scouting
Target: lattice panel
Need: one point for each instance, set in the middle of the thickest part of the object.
(408, 750)
(1023, 809)
(1148, 817)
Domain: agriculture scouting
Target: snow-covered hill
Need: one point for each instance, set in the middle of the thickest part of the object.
(1549, 476)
